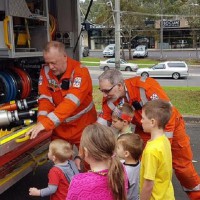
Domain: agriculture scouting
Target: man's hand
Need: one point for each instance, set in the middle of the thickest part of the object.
(34, 192)
(35, 130)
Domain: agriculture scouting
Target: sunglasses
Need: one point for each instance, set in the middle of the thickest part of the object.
(107, 91)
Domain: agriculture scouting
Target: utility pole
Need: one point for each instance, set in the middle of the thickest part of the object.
(161, 29)
(109, 3)
(117, 34)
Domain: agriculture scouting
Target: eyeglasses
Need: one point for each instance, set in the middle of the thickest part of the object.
(107, 91)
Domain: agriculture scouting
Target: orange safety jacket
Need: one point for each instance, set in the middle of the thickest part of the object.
(66, 105)
(139, 90)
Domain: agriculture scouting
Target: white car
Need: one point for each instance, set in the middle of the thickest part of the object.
(109, 51)
(173, 69)
(110, 64)
(140, 52)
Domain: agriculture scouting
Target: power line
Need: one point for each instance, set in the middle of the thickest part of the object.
(156, 15)
(89, 20)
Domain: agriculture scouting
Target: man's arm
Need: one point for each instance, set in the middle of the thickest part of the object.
(79, 91)
(146, 190)
(104, 116)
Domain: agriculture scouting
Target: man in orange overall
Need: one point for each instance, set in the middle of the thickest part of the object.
(137, 91)
(65, 102)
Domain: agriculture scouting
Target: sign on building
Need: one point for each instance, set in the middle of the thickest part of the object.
(171, 23)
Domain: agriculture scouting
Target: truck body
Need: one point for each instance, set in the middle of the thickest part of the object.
(25, 27)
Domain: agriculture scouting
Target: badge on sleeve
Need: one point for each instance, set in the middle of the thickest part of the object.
(77, 82)
(40, 80)
(154, 96)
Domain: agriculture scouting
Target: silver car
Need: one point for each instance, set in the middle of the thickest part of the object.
(85, 51)
(140, 52)
(109, 51)
(110, 64)
(173, 69)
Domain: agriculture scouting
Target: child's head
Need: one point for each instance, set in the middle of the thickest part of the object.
(60, 150)
(129, 146)
(122, 116)
(98, 143)
(155, 113)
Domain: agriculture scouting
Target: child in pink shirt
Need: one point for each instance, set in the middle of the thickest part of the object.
(107, 179)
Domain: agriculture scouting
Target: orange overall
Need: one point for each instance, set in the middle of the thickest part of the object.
(66, 105)
(139, 90)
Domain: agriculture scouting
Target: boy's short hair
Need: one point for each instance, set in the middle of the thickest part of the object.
(124, 112)
(159, 110)
(132, 143)
(61, 149)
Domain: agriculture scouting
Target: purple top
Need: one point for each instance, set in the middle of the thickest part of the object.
(91, 186)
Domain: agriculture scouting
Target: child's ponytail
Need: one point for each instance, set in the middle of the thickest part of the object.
(116, 177)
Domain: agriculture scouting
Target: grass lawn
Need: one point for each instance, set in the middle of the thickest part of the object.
(185, 99)
(90, 59)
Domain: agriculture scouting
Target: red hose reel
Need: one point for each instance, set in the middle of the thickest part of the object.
(15, 84)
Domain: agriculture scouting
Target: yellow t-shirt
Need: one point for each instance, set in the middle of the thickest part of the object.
(156, 165)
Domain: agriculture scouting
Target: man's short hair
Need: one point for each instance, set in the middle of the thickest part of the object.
(55, 44)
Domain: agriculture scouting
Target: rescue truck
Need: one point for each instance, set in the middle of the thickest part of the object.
(25, 27)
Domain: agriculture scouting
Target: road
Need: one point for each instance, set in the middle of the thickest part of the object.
(192, 80)
(177, 54)
(193, 132)
(20, 190)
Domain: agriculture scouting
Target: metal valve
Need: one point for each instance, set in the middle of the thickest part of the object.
(7, 117)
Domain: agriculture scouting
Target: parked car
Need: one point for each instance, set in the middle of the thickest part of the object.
(110, 64)
(173, 69)
(181, 44)
(85, 51)
(140, 52)
(109, 51)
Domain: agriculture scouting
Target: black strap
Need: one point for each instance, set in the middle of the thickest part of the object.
(88, 10)
(137, 105)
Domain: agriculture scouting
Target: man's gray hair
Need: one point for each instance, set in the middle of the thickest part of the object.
(114, 76)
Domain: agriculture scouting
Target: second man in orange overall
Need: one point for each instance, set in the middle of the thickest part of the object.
(137, 91)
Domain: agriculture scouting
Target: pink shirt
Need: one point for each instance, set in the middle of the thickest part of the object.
(91, 186)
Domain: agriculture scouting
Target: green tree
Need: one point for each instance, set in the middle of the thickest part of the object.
(134, 13)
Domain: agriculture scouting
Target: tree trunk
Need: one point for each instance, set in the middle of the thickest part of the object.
(129, 48)
(123, 54)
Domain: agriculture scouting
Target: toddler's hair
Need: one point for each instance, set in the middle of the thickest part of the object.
(132, 143)
(61, 149)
